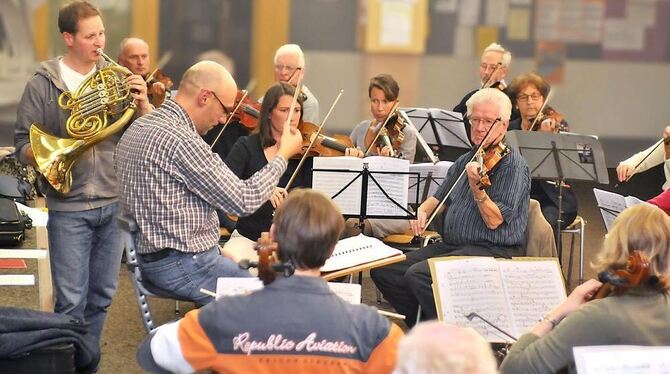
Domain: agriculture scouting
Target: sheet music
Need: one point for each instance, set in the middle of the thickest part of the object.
(439, 171)
(395, 185)
(532, 288)
(622, 359)
(611, 204)
(358, 250)
(227, 286)
(473, 285)
(349, 292)
(330, 183)
(230, 286)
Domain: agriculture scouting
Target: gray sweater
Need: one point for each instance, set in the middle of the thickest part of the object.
(640, 317)
(93, 178)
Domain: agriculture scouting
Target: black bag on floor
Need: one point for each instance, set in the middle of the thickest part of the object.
(13, 223)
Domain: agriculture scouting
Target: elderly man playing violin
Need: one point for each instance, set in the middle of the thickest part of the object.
(134, 54)
(477, 222)
(637, 252)
(171, 183)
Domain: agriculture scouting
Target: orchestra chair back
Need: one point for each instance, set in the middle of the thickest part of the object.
(142, 288)
(540, 240)
(576, 228)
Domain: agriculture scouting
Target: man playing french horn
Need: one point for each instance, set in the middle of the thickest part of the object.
(84, 239)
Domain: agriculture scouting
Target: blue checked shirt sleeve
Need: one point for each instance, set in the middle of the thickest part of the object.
(208, 177)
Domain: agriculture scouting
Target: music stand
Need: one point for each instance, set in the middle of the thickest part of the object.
(440, 128)
(366, 177)
(560, 157)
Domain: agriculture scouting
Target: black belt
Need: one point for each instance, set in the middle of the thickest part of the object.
(155, 256)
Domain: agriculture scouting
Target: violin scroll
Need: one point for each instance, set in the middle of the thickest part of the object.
(621, 280)
(268, 264)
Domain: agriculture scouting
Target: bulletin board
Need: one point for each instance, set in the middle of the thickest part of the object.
(393, 26)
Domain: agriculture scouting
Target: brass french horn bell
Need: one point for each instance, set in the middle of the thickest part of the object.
(98, 98)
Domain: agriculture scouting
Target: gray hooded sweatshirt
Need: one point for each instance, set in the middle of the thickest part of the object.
(93, 178)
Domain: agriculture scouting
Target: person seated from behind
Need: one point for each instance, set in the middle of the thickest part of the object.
(637, 317)
(438, 347)
(295, 324)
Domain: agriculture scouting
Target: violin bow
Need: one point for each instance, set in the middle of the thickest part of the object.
(395, 107)
(640, 163)
(230, 117)
(485, 84)
(161, 62)
(444, 199)
(311, 143)
(539, 113)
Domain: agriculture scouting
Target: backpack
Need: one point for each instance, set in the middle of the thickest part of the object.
(13, 223)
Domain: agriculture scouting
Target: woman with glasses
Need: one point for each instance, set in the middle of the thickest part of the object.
(528, 93)
(252, 153)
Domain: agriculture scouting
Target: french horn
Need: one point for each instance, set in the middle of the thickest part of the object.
(98, 98)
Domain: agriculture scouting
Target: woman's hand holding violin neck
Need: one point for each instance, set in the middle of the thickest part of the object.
(419, 224)
(384, 151)
(278, 196)
(354, 152)
(577, 298)
(549, 125)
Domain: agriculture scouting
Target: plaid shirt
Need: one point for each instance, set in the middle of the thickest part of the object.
(170, 182)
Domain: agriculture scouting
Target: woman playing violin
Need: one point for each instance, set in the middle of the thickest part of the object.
(529, 93)
(644, 160)
(640, 316)
(383, 92)
(252, 153)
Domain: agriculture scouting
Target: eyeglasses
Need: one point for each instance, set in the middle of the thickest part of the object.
(486, 67)
(288, 68)
(226, 110)
(525, 98)
(487, 122)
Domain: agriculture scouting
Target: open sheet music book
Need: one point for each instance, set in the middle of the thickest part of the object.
(511, 294)
(438, 172)
(358, 250)
(349, 199)
(227, 286)
(611, 204)
(622, 359)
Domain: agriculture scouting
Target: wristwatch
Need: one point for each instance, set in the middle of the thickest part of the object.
(479, 201)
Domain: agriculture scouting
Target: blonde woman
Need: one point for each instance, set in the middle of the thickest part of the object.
(641, 316)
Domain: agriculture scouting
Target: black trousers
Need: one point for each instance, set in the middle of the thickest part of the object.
(408, 284)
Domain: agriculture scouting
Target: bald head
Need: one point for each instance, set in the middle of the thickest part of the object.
(134, 54)
(438, 347)
(203, 89)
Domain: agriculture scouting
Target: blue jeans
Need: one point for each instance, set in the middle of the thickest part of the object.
(183, 274)
(85, 250)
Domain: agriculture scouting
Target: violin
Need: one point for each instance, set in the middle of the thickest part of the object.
(635, 273)
(323, 146)
(488, 159)
(248, 112)
(389, 134)
(552, 114)
(157, 92)
(268, 264)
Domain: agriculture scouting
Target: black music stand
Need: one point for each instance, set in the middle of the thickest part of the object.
(366, 177)
(440, 128)
(560, 157)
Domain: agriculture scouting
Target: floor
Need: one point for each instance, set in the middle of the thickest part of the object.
(124, 331)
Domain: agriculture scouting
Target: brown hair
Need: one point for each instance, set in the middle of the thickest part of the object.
(307, 227)
(70, 14)
(387, 84)
(642, 227)
(528, 79)
(270, 101)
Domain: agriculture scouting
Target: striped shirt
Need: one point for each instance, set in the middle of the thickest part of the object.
(510, 191)
(171, 183)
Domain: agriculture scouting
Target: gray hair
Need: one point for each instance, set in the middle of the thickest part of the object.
(506, 55)
(291, 49)
(493, 96)
(437, 347)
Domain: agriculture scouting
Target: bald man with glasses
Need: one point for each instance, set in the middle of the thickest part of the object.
(171, 183)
